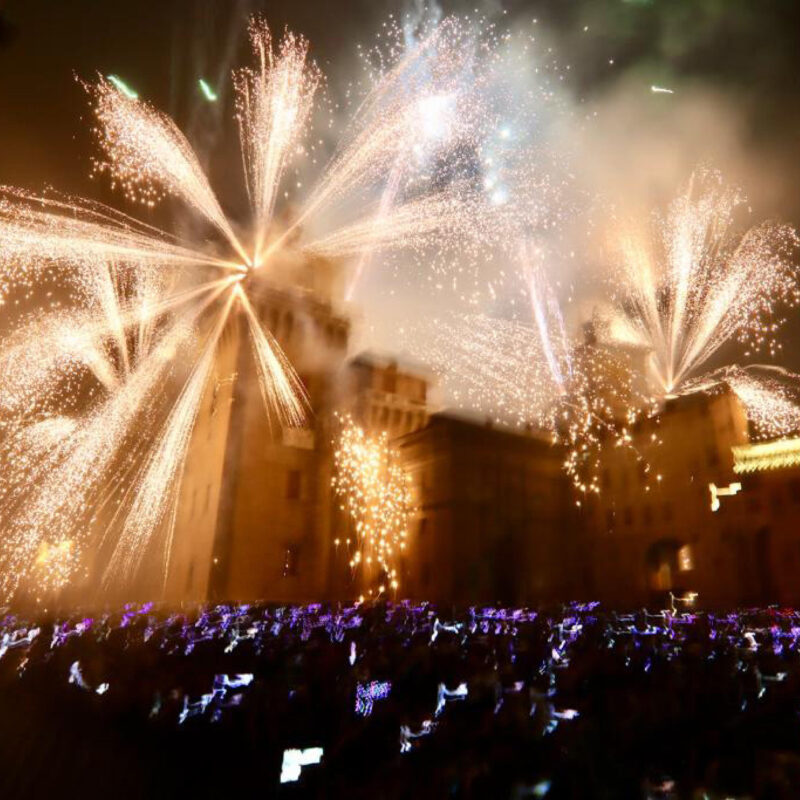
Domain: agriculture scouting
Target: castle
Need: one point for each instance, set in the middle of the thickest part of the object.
(493, 515)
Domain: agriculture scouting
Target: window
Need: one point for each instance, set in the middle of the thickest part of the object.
(293, 479)
(290, 561)
(685, 559)
(214, 397)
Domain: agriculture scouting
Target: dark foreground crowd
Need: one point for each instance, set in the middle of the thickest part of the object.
(401, 701)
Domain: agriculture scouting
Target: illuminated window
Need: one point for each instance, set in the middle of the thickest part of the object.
(293, 478)
(685, 560)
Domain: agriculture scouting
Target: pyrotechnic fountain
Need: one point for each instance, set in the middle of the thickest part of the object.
(374, 491)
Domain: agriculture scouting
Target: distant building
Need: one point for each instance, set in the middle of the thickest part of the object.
(491, 517)
(383, 396)
(651, 531)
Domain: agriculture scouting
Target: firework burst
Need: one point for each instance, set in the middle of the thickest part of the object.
(699, 278)
(100, 390)
(696, 280)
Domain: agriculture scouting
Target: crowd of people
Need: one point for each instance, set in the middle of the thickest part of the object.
(399, 701)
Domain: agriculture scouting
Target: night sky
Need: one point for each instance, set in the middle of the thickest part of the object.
(737, 59)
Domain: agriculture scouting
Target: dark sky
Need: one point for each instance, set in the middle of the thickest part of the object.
(746, 50)
(745, 53)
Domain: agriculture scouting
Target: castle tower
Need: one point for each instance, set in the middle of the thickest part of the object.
(254, 516)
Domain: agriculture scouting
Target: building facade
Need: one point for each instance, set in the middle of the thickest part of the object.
(492, 515)
(759, 512)
(651, 530)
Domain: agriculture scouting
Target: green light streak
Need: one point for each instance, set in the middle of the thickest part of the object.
(123, 87)
(207, 91)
